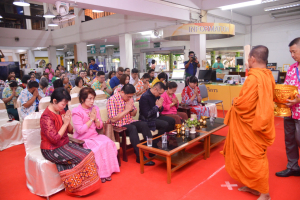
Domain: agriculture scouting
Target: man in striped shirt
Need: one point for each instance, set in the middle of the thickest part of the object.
(121, 111)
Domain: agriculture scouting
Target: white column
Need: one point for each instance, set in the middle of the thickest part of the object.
(247, 49)
(28, 21)
(198, 45)
(126, 54)
(186, 54)
(30, 59)
(79, 13)
(52, 56)
(81, 52)
(143, 62)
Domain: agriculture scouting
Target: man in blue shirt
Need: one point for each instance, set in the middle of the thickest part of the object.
(94, 67)
(115, 81)
(191, 65)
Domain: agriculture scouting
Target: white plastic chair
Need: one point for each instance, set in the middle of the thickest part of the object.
(10, 132)
(42, 177)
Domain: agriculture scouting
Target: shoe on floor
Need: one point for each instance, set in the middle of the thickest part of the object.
(288, 172)
(150, 163)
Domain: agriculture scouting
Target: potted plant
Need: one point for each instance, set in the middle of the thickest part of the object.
(192, 123)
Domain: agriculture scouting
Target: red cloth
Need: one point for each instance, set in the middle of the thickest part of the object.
(51, 123)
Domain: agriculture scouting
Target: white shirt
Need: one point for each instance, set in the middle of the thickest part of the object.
(132, 80)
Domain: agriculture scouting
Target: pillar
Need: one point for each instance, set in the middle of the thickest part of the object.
(28, 21)
(247, 49)
(186, 54)
(81, 52)
(52, 56)
(212, 57)
(198, 45)
(171, 62)
(30, 59)
(143, 62)
(126, 54)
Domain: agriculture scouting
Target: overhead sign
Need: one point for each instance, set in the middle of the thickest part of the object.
(102, 49)
(141, 42)
(215, 29)
(93, 49)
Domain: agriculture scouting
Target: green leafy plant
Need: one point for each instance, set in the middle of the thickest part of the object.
(190, 123)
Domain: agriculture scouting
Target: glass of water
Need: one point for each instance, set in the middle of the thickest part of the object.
(164, 138)
(149, 142)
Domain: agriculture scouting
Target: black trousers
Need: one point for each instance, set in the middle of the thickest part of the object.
(164, 124)
(292, 142)
(132, 131)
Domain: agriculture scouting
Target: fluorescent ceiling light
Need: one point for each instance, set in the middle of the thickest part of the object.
(268, 1)
(59, 49)
(240, 5)
(21, 3)
(97, 11)
(1, 17)
(146, 32)
(48, 14)
(110, 45)
(283, 6)
(90, 45)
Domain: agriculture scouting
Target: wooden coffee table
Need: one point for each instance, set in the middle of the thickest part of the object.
(173, 152)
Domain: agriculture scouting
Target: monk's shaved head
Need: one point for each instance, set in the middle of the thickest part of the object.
(260, 53)
(295, 41)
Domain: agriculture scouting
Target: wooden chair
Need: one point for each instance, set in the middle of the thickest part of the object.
(183, 108)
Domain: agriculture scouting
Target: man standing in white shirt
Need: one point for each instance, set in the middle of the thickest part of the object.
(134, 78)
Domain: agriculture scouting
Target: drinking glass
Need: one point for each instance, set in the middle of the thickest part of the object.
(164, 138)
(149, 142)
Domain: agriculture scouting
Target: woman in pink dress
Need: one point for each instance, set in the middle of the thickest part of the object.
(86, 118)
(171, 103)
(50, 71)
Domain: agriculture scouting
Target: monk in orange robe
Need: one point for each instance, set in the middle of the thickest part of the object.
(251, 127)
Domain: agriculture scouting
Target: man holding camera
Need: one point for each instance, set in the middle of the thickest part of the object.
(191, 65)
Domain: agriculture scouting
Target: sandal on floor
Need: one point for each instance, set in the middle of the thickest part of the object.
(103, 180)
(108, 178)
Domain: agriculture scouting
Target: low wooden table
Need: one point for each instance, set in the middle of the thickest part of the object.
(173, 152)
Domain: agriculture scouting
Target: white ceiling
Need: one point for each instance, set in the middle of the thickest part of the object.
(259, 9)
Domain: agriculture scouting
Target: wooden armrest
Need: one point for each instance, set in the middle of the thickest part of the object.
(184, 107)
(74, 140)
(119, 129)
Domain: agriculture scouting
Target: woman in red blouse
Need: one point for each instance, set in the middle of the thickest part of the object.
(75, 164)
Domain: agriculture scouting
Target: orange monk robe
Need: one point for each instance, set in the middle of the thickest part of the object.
(251, 131)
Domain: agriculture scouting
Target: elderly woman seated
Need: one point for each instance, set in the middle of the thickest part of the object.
(9, 95)
(76, 165)
(171, 103)
(191, 96)
(78, 85)
(86, 119)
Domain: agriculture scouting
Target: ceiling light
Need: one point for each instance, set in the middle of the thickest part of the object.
(110, 45)
(146, 32)
(1, 17)
(268, 1)
(90, 45)
(283, 6)
(21, 3)
(51, 23)
(97, 11)
(48, 14)
(240, 5)
(59, 49)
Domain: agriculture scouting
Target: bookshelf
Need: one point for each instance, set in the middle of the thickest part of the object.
(23, 60)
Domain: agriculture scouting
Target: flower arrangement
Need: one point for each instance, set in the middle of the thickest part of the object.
(192, 122)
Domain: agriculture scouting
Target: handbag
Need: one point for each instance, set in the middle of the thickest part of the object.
(108, 130)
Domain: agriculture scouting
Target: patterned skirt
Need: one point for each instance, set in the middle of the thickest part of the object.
(76, 167)
(200, 111)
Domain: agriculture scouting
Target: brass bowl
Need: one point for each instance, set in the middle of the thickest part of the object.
(281, 94)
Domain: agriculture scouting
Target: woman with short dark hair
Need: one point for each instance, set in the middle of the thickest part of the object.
(171, 103)
(191, 97)
(86, 119)
(110, 75)
(9, 95)
(125, 78)
(76, 165)
(78, 85)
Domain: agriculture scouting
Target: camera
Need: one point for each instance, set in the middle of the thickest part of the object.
(194, 58)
